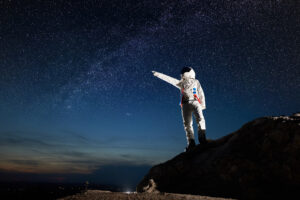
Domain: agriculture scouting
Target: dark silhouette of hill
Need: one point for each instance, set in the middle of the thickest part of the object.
(260, 160)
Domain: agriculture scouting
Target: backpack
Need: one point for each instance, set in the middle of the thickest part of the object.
(189, 90)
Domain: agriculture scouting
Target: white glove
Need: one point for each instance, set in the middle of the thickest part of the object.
(155, 73)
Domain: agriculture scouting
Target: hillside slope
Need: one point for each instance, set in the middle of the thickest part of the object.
(260, 160)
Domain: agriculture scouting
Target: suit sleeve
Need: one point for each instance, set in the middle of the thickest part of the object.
(201, 95)
(167, 78)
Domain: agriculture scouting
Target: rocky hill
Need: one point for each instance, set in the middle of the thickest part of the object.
(260, 160)
(107, 195)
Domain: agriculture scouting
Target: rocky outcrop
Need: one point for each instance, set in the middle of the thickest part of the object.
(260, 160)
(106, 195)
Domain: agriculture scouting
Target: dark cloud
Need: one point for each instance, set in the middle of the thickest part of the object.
(74, 153)
(28, 151)
(77, 135)
(126, 155)
(32, 163)
(18, 138)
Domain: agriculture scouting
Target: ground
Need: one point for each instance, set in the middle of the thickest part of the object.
(106, 195)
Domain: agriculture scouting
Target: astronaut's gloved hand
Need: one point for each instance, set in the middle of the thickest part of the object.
(154, 73)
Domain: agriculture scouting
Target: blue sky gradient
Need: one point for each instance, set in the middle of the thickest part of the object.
(77, 92)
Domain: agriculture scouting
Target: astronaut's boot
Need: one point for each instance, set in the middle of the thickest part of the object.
(202, 136)
(191, 145)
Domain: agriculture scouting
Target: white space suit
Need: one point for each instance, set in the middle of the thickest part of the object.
(192, 102)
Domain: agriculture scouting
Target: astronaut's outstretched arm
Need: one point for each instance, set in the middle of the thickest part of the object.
(168, 79)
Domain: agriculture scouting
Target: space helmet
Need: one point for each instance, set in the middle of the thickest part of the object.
(187, 72)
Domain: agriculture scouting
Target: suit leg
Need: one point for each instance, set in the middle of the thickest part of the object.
(200, 122)
(187, 111)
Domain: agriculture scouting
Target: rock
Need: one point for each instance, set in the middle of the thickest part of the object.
(150, 187)
(100, 195)
(260, 160)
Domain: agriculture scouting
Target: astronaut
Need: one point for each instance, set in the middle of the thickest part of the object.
(192, 102)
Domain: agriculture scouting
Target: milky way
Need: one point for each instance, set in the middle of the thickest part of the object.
(85, 68)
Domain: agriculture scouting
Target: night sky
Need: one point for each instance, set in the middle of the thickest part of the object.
(77, 96)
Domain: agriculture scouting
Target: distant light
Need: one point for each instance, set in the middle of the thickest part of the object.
(127, 192)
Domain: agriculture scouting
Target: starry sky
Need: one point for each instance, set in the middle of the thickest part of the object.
(77, 96)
